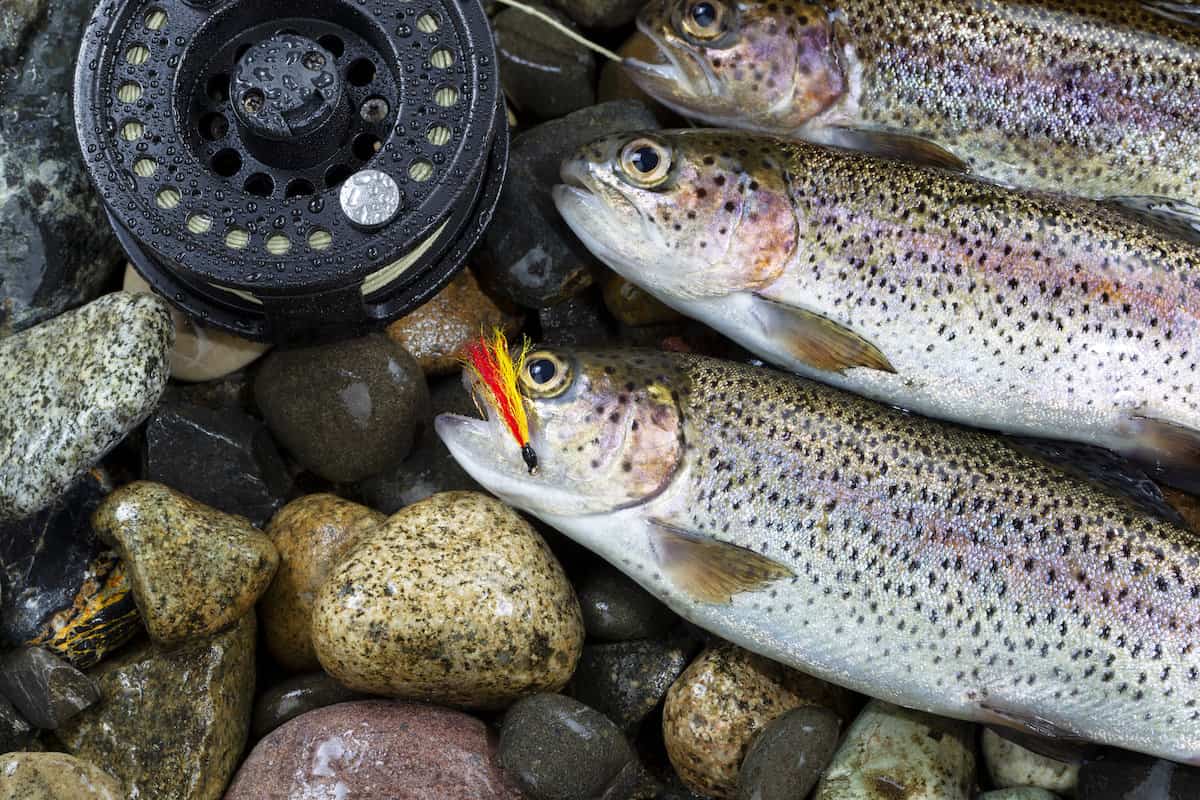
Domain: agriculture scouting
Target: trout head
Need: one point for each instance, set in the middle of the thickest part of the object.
(684, 214)
(768, 65)
(606, 427)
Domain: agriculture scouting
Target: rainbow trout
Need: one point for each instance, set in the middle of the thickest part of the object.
(1096, 99)
(1027, 313)
(929, 565)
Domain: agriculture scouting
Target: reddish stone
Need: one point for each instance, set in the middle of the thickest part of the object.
(375, 750)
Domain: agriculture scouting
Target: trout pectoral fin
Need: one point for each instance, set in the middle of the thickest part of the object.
(816, 340)
(1170, 449)
(1033, 732)
(709, 570)
(1173, 217)
(893, 145)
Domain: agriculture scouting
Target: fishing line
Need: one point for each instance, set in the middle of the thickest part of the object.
(563, 29)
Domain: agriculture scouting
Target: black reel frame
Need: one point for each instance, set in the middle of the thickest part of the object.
(220, 136)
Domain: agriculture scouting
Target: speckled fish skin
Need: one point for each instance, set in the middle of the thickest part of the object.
(1094, 98)
(1022, 312)
(936, 567)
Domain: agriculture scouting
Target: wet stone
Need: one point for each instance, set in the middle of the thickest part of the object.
(174, 720)
(895, 752)
(312, 534)
(56, 248)
(74, 387)
(1018, 793)
(454, 600)
(225, 459)
(294, 697)
(194, 570)
(787, 757)
(616, 609)
(578, 321)
(346, 410)
(560, 749)
(633, 306)
(1121, 775)
(54, 776)
(544, 73)
(625, 681)
(45, 690)
(601, 14)
(529, 255)
(15, 732)
(1009, 764)
(375, 749)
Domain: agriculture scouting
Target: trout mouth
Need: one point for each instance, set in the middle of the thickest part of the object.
(668, 79)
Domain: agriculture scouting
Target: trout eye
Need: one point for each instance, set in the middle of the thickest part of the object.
(545, 374)
(645, 162)
(703, 19)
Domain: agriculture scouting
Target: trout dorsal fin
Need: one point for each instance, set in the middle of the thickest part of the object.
(708, 570)
(890, 144)
(816, 340)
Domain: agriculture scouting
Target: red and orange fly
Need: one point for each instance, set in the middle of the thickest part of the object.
(492, 363)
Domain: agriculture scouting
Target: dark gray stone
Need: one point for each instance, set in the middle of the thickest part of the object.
(559, 749)
(56, 248)
(346, 410)
(544, 73)
(616, 609)
(430, 468)
(294, 697)
(225, 459)
(626, 680)
(529, 255)
(601, 14)
(46, 690)
(1121, 775)
(787, 757)
(578, 321)
(15, 732)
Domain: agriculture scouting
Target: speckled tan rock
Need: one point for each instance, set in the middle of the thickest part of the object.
(438, 332)
(193, 570)
(54, 776)
(454, 600)
(1009, 764)
(634, 306)
(891, 752)
(200, 353)
(312, 534)
(174, 721)
(725, 697)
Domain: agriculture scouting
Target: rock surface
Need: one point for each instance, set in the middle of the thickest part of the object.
(225, 459)
(74, 387)
(601, 14)
(54, 776)
(529, 254)
(46, 690)
(559, 749)
(1121, 775)
(720, 702)
(578, 321)
(15, 732)
(454, 600)
(787, 757)
(437, 333)
(1018, 793)
(633, 306)
(544, 73)
(312, 534)
(344, 410)
(625, 681)
(56, 248)
(375, 749)
(194, 570)
(616, 609)
(1009, 764)
(893, 751)
(294, 697)
(174, 721)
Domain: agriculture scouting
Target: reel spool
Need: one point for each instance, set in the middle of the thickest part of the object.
(293, 170)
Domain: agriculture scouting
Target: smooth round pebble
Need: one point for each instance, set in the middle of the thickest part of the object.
(616, 609)
(294, 697)
(54, 776)
(456, 600)
(312, 534)
(1122, 775)
(787, 757)
(559, 749)
(1009, 764)
(375, 749)
(625, 681)
(1019, 793)
(725, 697)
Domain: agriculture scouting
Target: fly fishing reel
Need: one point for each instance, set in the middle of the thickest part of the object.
(293, 170)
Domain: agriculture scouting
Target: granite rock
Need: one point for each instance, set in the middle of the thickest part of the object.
(174, 721)
(625, 681)
(375, 749)
(45, 690)
(193, 570)
(1009, 764)
(345, 410)
(74, 387)
(787, 757)
(296, 696)
(454, 600)
(54, 776)
(544, 73)
(312, 534)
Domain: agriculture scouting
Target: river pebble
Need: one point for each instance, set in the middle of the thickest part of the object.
(54, 776)
(625, 681)
(296, 696)
(45, 690)
(1009, 764)
(616, 609)
(787, 757)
